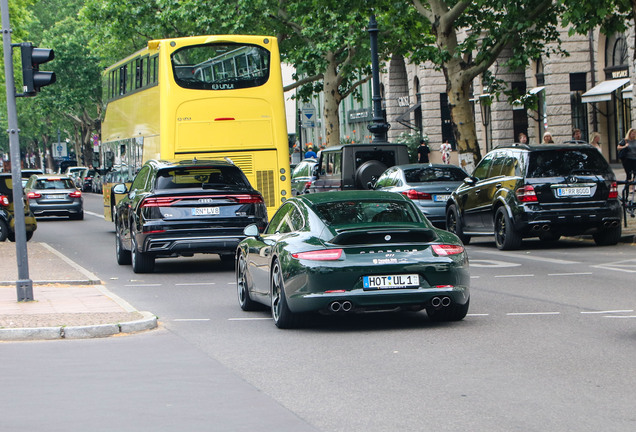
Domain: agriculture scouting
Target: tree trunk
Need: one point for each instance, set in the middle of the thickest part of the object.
(332, 101)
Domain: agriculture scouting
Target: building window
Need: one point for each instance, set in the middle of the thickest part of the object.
(519, 116)
(447, 123)
(578, 108)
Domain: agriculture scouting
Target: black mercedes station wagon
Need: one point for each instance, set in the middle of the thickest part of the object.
(179, 208)
(544, 191)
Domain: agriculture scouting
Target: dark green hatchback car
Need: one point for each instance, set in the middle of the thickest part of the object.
(352, 252)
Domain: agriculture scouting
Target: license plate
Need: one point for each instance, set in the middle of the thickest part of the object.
(55, 196)
(391, 281)
(574, 191)
(441, 198)
(205, 211)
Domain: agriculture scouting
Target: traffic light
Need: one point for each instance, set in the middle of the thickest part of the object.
(32, 58)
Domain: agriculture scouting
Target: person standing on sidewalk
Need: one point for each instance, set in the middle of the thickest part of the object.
(422, 152)
(627, 154)
(445, 149)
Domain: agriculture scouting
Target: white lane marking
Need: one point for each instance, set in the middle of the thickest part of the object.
(608, 311)
(94, 214)
(512, 276)
(195, 284)
(475, 277)
(627, 266)
(620, 316)
(191, 319)
(529, 257)
(231, 283)
(143, 285)
(492, 263)
(478, 315)
(248, 319)
(532, 313)
(570, 274)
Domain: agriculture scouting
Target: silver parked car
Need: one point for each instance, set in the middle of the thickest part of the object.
(428, 185)
(54, 195)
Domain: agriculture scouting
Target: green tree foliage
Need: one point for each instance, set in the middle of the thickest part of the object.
(470, 35)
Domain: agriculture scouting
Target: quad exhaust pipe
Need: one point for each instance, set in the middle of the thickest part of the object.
(544, 227)
(610, 224)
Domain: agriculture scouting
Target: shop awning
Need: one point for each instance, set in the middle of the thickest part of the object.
(536, 90)
(603, 91)
(627, 92)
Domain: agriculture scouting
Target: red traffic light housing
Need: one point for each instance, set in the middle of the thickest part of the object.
(32, 57)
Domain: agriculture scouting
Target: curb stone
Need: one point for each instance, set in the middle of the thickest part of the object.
(148, 322)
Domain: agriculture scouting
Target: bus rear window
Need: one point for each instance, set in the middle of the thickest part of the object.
(224, 66)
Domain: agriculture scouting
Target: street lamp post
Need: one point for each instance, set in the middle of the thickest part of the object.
(378, 127)
(484, 108)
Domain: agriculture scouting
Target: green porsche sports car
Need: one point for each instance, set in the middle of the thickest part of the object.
(352, 252)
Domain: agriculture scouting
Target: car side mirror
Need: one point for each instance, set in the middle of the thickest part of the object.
(120, 189)
(251, 230)
(315, 172)
(470, 180)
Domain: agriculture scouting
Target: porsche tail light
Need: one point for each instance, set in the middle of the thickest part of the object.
(527, 194)
(76, 194)
(320, 255)
(34, 195)
(4, 201)
(415, 195)
(447, 249)
(613, 192)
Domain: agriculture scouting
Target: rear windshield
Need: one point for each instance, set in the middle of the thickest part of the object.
(202, 178)
(353, 212)
(433, 174)
(221, 66)
(564, 162)
(387, 157)
(64, 183)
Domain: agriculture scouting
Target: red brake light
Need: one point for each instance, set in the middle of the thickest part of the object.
(320, 255)
(613, 192)
(447, 249)
(33, 195)
(159, 202)
(75, 194)
(248, 199)
(4, 200)
(415, 195)
(527, 194)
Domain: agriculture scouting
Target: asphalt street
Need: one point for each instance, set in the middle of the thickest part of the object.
(548, 344)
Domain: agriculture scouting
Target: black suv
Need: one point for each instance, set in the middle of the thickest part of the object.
(543, 191)
(7, 222)
(181, 208)
(355, 166)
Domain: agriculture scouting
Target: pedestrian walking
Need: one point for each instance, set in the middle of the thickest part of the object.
(423, 151)
(627, 154)
(445, 149)
(595, 141)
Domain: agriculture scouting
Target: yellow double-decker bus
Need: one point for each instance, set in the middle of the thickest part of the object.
(199, 97)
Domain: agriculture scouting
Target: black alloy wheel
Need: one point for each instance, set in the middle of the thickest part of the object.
(454, 224)
(123, 255)
(4, 231)
(506, 237)
(283, 317)
(245, 301)
(141, 262)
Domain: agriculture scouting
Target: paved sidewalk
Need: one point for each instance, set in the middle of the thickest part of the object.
(69, 301)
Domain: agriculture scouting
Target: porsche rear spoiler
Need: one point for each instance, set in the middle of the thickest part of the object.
(384, 236)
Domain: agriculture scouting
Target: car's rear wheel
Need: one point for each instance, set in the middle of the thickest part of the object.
(4, 231)
(454, 224)
(609, 236)
(454, 312)
(123, 256)
(506, 237)
(141, 262)
(283, 317)
(245, 301)
(77, 216)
